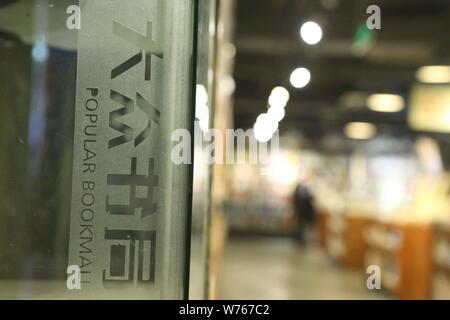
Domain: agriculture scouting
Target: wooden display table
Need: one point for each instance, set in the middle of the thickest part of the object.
(342, 236)
(441, 261)
(404, 254)
(354, 241)
(441, 236)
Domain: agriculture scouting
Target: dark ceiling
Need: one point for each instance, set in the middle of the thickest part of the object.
(413, 33)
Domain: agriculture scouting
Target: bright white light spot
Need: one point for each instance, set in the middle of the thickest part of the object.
(267, 122)
(278, 97)
(300, 77)
(383, 102)
(204, 123)
(264, 127)
(360, 130)
(311, 32)
(261, 133)
(283, 169)
(276, 112)
(287, 173)
(201, 107)
(202, 114)
(201, 111)
(201, 96)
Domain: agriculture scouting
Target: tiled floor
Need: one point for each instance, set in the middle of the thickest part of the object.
(272, 268)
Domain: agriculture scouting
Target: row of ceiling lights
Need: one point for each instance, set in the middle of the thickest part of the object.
(387, 102)
(267, 123)
(311, 33)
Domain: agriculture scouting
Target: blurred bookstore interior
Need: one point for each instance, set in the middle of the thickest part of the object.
(353, 204)
(365, 133)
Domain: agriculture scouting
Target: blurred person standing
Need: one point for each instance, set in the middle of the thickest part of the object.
(303, 205)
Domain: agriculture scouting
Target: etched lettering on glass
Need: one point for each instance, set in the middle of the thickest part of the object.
(146, 183)
(131, 256)
(147, 45)
(127, 108)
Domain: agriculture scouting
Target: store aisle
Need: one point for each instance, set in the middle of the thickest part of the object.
(272, 268)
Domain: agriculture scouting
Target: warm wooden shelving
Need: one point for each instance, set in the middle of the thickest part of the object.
(342, 235)
(414, 257)
(354, 241)
(404, 251)
(441, 261)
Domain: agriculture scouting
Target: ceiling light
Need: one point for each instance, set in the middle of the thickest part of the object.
(360, 130)
(267, 122)
(311, 32)
(261, 133)
(276, 112)
(264, 127)
(278, 97)
(433, 74)
(383, 102)
(300, 77)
